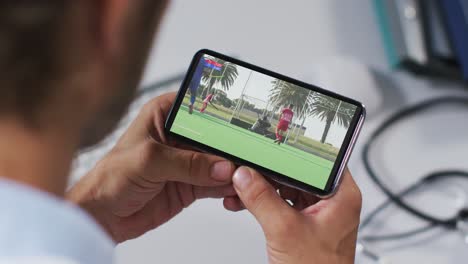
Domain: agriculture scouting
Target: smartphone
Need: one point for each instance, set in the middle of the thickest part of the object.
(295, 133)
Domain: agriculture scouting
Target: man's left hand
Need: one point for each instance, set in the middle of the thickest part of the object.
(144, 180)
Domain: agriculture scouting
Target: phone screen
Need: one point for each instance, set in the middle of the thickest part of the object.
(275, 124)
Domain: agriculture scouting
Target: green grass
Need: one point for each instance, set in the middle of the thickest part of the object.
(240, 142)
(223, 112)
(325, 150)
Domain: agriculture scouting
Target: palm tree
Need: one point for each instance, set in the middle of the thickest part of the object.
(331, 111)
(226, 77)
(283, 94)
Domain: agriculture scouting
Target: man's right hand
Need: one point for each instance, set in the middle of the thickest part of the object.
(309, 231)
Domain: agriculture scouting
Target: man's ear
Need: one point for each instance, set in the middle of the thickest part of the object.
(110, 20)
(117, 21)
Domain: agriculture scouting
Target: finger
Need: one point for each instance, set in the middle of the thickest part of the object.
(166, 163)
(159, 111)
(149, 122)
(261, 199)
(233, 203)
(340, 209)
(213, 192)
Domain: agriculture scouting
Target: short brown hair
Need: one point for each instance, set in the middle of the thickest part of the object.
(29, 34)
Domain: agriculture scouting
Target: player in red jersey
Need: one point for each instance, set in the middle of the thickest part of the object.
(285, 119)
(207, 100)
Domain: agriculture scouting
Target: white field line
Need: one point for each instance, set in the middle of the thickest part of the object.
(188, 129)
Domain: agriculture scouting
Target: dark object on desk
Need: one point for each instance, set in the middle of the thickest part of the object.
(409, 14)
(437, 37)
(417, 39)
(441, 56)
(456, 17)
(392, 32)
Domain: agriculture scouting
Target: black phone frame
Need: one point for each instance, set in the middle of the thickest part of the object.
(345, 149)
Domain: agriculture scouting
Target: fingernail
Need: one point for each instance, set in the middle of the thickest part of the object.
(221, 171)
(242, 178)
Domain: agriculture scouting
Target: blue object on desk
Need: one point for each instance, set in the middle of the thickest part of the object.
(455, 13)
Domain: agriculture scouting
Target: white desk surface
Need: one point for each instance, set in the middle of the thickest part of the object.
(288, 36)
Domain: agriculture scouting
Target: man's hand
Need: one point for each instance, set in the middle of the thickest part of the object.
(309, 231)
(144, 181)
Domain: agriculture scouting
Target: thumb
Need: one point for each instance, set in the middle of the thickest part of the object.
(163, 163)
(341, 210)
(261, 199)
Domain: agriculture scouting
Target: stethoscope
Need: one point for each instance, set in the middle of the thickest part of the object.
(457, 222)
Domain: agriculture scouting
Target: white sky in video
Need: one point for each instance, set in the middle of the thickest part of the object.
(259, 86)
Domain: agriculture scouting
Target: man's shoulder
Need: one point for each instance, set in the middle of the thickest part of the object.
(51, 227)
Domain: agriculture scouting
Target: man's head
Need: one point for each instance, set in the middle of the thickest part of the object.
(291, 106)
(73, 64)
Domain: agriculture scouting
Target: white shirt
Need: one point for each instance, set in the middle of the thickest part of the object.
(36, 227)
